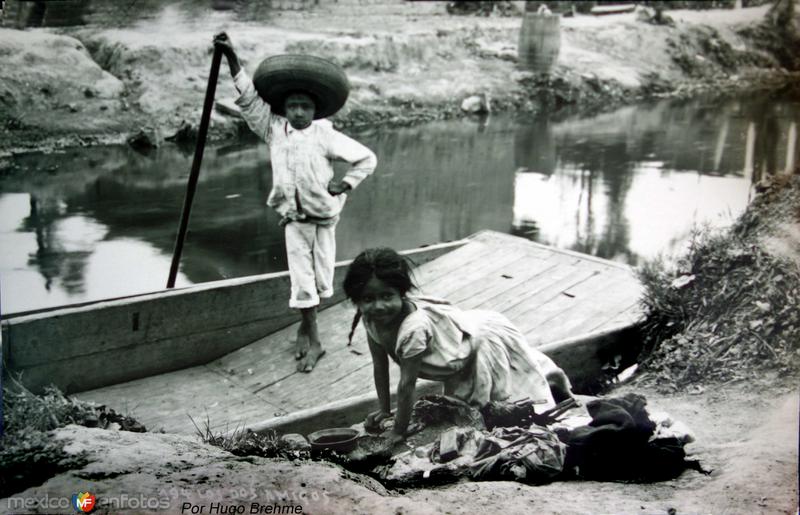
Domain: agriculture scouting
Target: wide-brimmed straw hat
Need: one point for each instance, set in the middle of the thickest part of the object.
(280, 75)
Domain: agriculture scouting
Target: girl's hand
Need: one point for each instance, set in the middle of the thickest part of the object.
(374, 419)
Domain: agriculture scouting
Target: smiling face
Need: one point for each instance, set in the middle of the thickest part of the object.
(299, 110)
(380, 302)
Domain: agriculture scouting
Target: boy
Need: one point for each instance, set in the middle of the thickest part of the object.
(304, 191)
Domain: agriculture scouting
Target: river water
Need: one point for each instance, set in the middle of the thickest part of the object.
(627, 185)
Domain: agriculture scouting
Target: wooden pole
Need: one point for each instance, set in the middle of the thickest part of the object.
(790, 148)
(195, 173)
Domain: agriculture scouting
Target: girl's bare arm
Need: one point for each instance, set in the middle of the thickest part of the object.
(409, 371)
(380, 373)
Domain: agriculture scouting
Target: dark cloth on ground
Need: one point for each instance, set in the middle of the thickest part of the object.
(523, 413)
(617, 445)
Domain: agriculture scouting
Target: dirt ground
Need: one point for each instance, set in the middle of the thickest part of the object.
(745, 433)
(82, 86)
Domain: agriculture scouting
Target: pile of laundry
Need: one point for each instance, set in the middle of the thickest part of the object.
(604, 439)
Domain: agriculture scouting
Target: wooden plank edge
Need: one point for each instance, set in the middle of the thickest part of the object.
(426, 253)
(586, 358)
(235, 340)
(488, 234)
(341, 413)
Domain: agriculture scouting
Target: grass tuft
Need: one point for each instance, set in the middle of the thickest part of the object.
(729, 309)
(29, 455)
(247, 442)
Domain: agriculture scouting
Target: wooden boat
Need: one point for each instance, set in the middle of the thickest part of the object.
(602, 10)
(225, 347)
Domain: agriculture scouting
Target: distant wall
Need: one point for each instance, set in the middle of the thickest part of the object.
(68, 13)
(361, 6)
(584, 7)
(108, 342)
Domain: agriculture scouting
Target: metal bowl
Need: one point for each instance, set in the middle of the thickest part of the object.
(340, 439)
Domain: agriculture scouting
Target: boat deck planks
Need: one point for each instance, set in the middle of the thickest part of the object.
(550, 294)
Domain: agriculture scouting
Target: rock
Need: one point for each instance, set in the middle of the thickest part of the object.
(522, 75)
(644, 13)
(508, 54)
(60, 64)
(132, 425)
(91, 421)
(448, 445)
(186, 133)
(295, 442)
(476, 104)
(497, 50)
(228, 107)
(147, 138)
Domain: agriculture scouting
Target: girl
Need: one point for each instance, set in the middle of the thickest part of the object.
(478, 355)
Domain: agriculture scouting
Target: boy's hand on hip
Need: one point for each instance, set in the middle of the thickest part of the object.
(338, 187)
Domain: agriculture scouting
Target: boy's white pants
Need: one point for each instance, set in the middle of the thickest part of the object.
(311, 252)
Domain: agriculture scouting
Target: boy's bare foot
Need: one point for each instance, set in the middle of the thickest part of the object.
(312, 356)
(301, 342)
(308, 328)
(301, 346)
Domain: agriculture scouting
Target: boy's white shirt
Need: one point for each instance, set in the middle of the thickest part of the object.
(301, 159)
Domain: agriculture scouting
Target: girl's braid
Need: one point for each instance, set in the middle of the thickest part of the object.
(356, 319)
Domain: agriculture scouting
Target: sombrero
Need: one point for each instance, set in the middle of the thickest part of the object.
(280, 75)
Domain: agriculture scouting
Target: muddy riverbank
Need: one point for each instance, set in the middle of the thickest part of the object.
(746, 435)
(87, 85)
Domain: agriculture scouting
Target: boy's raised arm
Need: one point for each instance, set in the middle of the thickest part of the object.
(224, 43)
(255, 111)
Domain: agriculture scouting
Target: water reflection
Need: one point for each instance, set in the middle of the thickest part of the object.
(45, 14)
(101, 222)
(632, 183)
